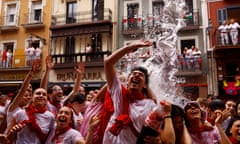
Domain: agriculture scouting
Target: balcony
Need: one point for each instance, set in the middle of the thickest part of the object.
(219, 44)
(94, 59)
(81, 23)
(16, 63)
(132, 26)
(192, 20)
(189, 66)
(9, 23)
(34, 20)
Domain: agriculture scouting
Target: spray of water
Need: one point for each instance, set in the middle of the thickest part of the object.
(162, 63)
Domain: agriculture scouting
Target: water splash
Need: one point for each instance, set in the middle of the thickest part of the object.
(162, 63)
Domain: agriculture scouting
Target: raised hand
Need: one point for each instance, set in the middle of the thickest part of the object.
(80, 68)
(36, 65)
(49, 62)
(140, 43)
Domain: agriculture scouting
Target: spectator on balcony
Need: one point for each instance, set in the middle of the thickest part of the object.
(223, 30)
(4, 57)
(9, 58)
(234, 26)
(88, 51)
(29, 55)
(38, 53)
(189, 58)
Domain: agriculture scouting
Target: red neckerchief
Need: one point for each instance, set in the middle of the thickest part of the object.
(2, 104)
(59, 132)
(31, 122)
(233, 140)
(210, 120)
(58, 105)
(201, 129)
(124, 119)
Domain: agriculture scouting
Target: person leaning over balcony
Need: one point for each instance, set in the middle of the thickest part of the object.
(197, 58)
(88, 52)
(234, 26)
(37, 54)
(223, 30)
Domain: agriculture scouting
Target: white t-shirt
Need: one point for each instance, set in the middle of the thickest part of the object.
(26, 136)
(69, 137)
(138, 111)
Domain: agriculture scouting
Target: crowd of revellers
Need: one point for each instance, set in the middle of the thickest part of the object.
(190, 59)
(229, 29)
(115, 114)
(31, 54)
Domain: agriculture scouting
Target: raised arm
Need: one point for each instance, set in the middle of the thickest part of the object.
(111, 60)
(25, 84)
(80, 70)
(45, 76)
(168, 130)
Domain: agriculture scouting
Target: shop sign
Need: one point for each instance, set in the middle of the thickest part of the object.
(71, 76)
(13, 76)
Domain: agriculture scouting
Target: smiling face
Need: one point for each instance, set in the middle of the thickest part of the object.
(235, 130)
(192, 111)
(40, 97)
(57, 94)
(64, 117)
(136, 81)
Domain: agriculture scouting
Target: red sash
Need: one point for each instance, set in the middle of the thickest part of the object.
(31, 122)
(123, 119)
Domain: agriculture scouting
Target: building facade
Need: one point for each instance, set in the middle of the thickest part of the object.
(24, 25)
(225, 47)
(81, 31)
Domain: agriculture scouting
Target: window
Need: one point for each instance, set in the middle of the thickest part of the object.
(187, 43)
(97, 9)
(157, 8)
(132, 15)
(36, 13)
(228, 13)
(71, 12)
(70, 49)
(11, 14)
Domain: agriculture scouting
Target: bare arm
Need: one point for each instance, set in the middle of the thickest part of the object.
(45, 76)
(101, 94)
(80, 71)
(111, 60)
(25, 84)
(186, 138)
(151, 95)
(218, 123)
(168, 130)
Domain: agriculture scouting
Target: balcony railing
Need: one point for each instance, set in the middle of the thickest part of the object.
(131, 24)
(34, 18)
(10, 20)
(222, 43)
(189, 66)
(80, 17)
(90, 59)
(17, 61)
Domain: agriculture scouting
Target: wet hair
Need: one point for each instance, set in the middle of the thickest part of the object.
(235, 118)
(77, 97)
(216, 104)
(143, 70)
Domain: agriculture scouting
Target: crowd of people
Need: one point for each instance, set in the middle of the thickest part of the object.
(190, 59)
(117, 113)
(31, 54)
(229, 29)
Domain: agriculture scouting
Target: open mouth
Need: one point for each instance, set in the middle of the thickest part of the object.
(62, 119)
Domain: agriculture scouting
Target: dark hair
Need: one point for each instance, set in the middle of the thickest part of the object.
(143, 70)
(177, 111)
(235, 118)
(216, 104)
(77, 97)
(236, 107)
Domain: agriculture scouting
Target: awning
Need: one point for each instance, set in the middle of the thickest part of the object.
(191, 85)
(10, 83)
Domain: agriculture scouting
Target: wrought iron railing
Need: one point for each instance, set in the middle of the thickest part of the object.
(80, 17)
